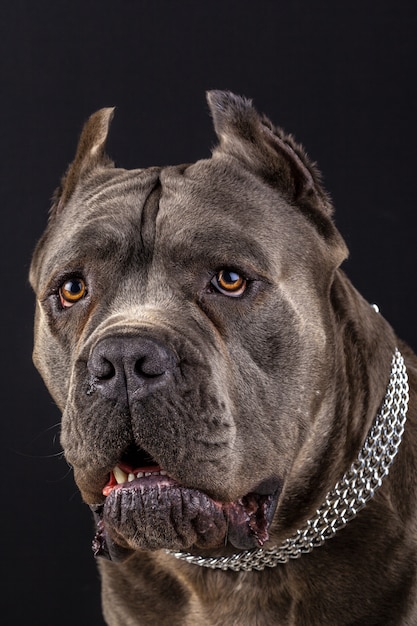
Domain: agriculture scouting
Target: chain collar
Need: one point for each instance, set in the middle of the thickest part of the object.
(357, 486)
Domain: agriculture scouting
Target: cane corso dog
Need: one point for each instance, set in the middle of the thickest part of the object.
(240, 420)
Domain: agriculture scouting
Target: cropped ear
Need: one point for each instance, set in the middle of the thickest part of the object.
(90, 154)
(267, 150)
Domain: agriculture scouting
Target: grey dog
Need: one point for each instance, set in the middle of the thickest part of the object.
(240, 420)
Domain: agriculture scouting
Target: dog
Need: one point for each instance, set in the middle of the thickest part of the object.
(240, 420)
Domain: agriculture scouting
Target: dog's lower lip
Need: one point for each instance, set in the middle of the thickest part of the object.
(157, 512)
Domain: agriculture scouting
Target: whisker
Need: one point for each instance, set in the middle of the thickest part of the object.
(26, 455)
(55, 441)
(60, 479)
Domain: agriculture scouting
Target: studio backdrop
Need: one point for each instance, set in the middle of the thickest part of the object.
(340, 76)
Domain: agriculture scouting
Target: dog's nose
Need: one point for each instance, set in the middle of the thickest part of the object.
(126, 368)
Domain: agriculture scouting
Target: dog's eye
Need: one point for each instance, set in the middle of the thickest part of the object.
(229, 283)
(72, 291)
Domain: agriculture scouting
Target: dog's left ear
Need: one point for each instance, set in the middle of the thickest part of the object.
(267, 150)
(90, 154)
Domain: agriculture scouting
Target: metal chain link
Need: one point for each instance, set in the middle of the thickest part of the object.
(357, 486)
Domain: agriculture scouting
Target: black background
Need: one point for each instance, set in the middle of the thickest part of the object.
(340, 76)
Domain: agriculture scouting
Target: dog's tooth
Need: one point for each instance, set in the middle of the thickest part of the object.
(148, 473)
(139, 475)
(120, 475)
(130, 477)
(163, 473)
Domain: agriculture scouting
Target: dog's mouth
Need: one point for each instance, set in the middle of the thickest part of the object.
(146, 509)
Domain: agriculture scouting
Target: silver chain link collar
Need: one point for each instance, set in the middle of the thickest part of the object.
(357, 486)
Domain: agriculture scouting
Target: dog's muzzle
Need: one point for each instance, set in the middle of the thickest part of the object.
(145, 508)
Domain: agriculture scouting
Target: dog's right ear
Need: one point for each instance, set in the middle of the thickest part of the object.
(90, 154)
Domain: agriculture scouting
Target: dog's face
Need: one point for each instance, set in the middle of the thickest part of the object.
(183, 327)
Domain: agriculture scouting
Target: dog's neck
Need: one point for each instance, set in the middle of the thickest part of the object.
(357, 486)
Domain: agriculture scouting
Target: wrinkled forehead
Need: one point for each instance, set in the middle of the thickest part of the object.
(100, 217)
(215, 204)
(207, 206)
(217, 189)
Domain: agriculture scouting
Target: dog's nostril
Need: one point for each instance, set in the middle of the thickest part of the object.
(101, 367)
(146, 368)
(107, 370)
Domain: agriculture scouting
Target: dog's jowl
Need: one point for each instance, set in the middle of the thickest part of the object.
(240, 420)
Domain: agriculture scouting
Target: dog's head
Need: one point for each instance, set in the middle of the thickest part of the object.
(184, 329)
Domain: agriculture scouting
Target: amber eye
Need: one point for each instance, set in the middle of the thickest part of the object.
(229, 283)
(72, 291)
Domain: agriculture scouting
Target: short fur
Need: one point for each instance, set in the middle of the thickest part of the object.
(275, 389)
